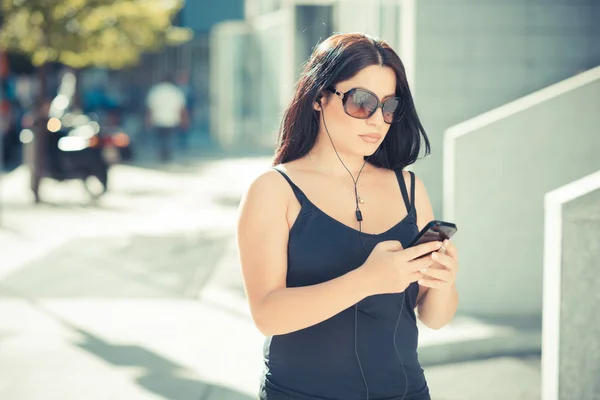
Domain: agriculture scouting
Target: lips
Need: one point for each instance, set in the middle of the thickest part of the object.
(371, 137)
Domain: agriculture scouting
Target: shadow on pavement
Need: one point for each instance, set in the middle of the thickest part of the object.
(11, 230)
(168, 266)
(142, 192)
(228, 201)
(161, 376)
(63, 205)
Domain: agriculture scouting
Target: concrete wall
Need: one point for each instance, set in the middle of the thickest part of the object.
(475, 55)
(498, 167)
(230, 43)
(251, 78)
(571, 329)
(275, 73)
(313, 23)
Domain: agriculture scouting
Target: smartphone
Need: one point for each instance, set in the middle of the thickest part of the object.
(435, 231)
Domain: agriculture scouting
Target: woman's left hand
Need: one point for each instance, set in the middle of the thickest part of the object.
(442, 274)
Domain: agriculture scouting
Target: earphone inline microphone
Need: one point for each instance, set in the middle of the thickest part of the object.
(359, 219)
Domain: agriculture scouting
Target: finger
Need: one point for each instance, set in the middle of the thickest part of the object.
(444, 260)
(390, 245)
(431, 283)
(420, 250)
(420, 263)
(441, 274)
(450, 249)
(415, 276)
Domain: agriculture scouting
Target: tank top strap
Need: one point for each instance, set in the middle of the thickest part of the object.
(407, 200)
(412, 192)
(297, 191)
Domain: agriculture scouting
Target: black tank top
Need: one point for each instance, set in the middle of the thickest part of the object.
(323, 362)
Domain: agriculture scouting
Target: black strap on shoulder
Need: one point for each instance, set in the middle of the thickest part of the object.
(403, 189)
(412, 192)
(412, 188)
(297, 191)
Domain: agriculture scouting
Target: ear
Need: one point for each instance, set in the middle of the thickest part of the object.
(318, 103)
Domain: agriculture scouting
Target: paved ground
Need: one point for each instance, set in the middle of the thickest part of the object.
(139, 296)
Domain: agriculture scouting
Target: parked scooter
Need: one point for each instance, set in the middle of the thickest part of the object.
(72, 146)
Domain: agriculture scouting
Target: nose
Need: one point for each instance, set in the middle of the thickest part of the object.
(377, 117)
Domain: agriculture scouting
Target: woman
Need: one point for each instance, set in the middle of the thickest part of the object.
(328, 281)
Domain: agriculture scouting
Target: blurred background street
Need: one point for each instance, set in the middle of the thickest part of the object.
(129, 131)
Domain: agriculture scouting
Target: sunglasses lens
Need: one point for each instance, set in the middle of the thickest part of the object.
(360, 104)
(393, 110)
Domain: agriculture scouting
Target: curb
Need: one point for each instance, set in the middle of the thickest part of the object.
(517, 343)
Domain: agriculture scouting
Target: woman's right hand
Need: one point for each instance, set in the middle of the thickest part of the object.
(391, 268)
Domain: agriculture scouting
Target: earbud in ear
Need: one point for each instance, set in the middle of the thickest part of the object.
(319, 100)
(318, 106)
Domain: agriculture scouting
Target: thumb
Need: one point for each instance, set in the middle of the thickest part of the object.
(390, 245)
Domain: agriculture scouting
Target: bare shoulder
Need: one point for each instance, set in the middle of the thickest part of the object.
(268, 192)
(269, 182)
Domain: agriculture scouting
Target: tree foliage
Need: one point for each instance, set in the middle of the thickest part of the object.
(82, 33)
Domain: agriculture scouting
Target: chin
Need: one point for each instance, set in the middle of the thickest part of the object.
(370, 153)
(366, 151)
(369, 148)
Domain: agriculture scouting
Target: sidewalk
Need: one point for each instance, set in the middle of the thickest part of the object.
(97, 301)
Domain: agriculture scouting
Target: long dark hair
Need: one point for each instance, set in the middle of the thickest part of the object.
(337, 59)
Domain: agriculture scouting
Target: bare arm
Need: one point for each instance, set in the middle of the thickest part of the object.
(262, 235)
(436, 307)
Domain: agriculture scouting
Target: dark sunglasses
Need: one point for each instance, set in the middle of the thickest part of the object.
(362, 104)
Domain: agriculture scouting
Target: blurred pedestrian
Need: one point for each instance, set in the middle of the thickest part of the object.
(166, 114)
(328, 276)
(39, 151)
(183, 82)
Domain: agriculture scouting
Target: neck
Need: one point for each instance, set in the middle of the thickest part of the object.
(326, 161)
